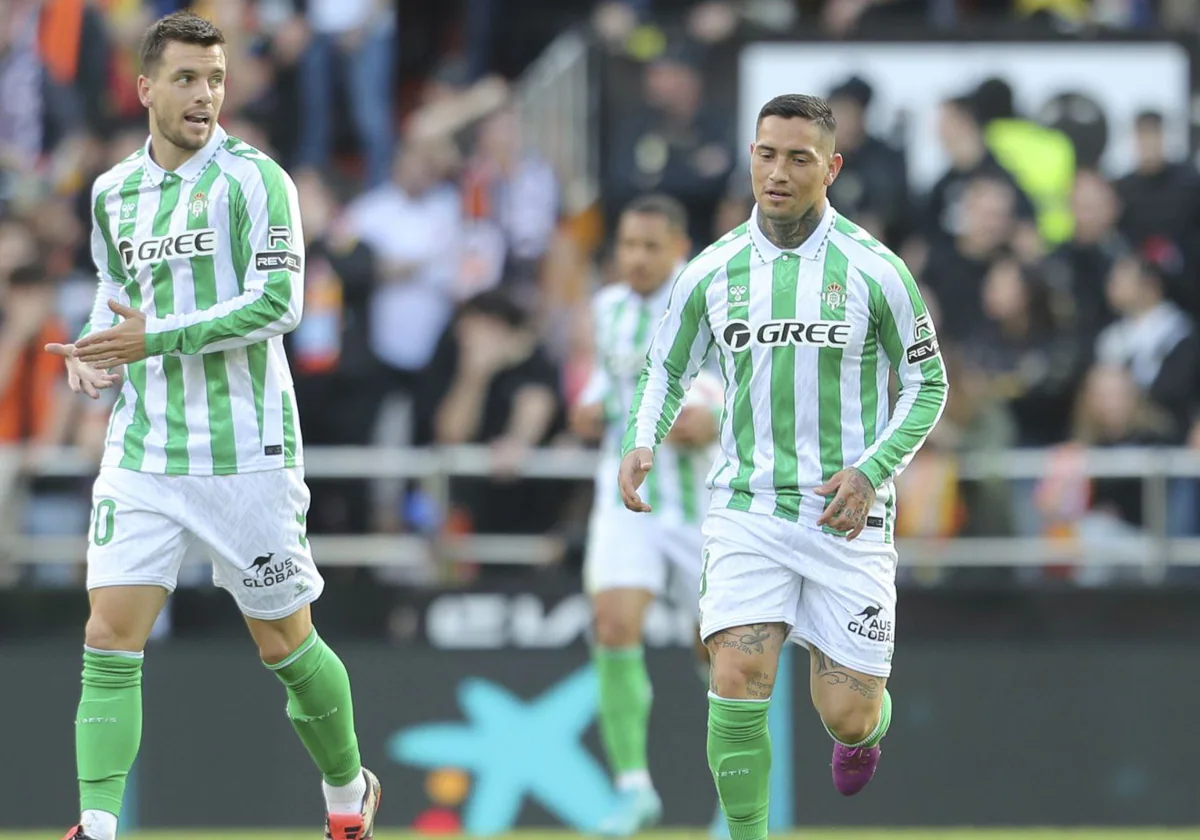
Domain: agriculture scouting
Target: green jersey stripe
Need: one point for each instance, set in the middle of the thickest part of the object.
(115, 268)
(216, 376)
(737, 281)
(829, 367)
(164, 305)
(256, 358)
(784, 290)
(239, 228)
(134, 445)
(869, 393)
(289, 431)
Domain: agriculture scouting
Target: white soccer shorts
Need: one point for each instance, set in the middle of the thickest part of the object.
(250, 526)
(839, 596)
(642, 551)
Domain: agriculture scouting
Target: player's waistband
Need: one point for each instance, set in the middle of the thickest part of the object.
(880, 519)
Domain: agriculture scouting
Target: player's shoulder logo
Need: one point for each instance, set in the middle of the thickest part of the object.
(834, 295)
(278, 256)
(279, 237)
(925, 343)
(199, 204)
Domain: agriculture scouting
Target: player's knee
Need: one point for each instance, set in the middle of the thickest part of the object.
(851, 723)
(103, 633)
(615, 629)
(737, 676)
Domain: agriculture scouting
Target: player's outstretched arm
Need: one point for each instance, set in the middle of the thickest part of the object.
(268, 238)
(677, 350)
(910, 340)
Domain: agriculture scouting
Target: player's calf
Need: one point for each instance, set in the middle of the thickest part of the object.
(745, 661)
(856, 710)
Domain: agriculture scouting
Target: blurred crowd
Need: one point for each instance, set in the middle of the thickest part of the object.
(448, 278)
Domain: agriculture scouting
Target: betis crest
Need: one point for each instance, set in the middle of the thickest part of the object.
(835, 296)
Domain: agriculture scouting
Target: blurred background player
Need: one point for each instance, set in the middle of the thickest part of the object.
(631, 559)
(197, 242)
(809, 312)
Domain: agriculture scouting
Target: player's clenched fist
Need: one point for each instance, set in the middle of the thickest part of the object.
(634, 468)
(853, 494)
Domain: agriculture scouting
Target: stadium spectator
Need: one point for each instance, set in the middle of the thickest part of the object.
(962, 140)
(356, 38)
(1078, 269)
(413, 225)
(511, 198)
(673, 144)
(957, 267)
(1160, 202)
(491, 382)
(872, 187)
(1028, 362)
(338, 387)
(1153, 338)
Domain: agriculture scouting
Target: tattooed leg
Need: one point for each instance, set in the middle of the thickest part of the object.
(745, 661)
(849, 702)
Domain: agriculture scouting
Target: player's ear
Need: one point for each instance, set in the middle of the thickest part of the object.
(835, 166)
(143, 85)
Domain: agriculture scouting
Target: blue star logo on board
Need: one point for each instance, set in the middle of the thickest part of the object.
(516, 748)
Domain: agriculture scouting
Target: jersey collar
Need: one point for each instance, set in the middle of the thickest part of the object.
(810, 249)
(195, 165)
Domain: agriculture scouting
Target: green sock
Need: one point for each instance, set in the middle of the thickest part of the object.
(321, 709)
(881, 728)
(108, 728)
(739, 755)
(625, 699)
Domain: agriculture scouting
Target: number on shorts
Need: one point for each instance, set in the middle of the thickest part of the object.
(104, 521)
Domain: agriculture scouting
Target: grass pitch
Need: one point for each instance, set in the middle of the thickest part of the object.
(807, 834)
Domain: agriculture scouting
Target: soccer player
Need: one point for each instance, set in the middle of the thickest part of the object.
(198, 247)
(807, 313)
(629, 557)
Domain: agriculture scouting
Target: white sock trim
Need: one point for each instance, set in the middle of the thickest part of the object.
(296, 654)
(634, 780)
(125, 654)
(712, 696)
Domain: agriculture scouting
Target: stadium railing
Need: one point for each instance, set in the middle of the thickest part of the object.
(1153, 548)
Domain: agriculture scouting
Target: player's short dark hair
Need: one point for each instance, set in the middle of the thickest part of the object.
(1148, 120)
(658, 204)
(185, 27)
(800, 106)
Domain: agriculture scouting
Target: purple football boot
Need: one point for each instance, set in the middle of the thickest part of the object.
(853, 767)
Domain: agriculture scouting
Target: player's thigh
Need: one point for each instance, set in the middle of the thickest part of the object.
(848, 609)
(135, 537)
(742, 583)
(253, 528)
(623, 552)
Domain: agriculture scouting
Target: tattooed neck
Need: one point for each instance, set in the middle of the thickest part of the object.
(793, 232)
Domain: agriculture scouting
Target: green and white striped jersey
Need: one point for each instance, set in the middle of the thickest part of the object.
(623, 325)
(805, 340)
(213, 254)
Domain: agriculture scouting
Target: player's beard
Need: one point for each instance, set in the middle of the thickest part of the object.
(173, 133)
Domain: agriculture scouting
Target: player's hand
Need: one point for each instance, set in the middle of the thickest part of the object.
(853, 494)
(120, 345)
(587, 421)
(634, 468)
(89, 379)
(695, 426)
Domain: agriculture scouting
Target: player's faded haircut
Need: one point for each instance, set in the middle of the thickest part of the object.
(185, 27)
(658, 204)
(800, 106)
